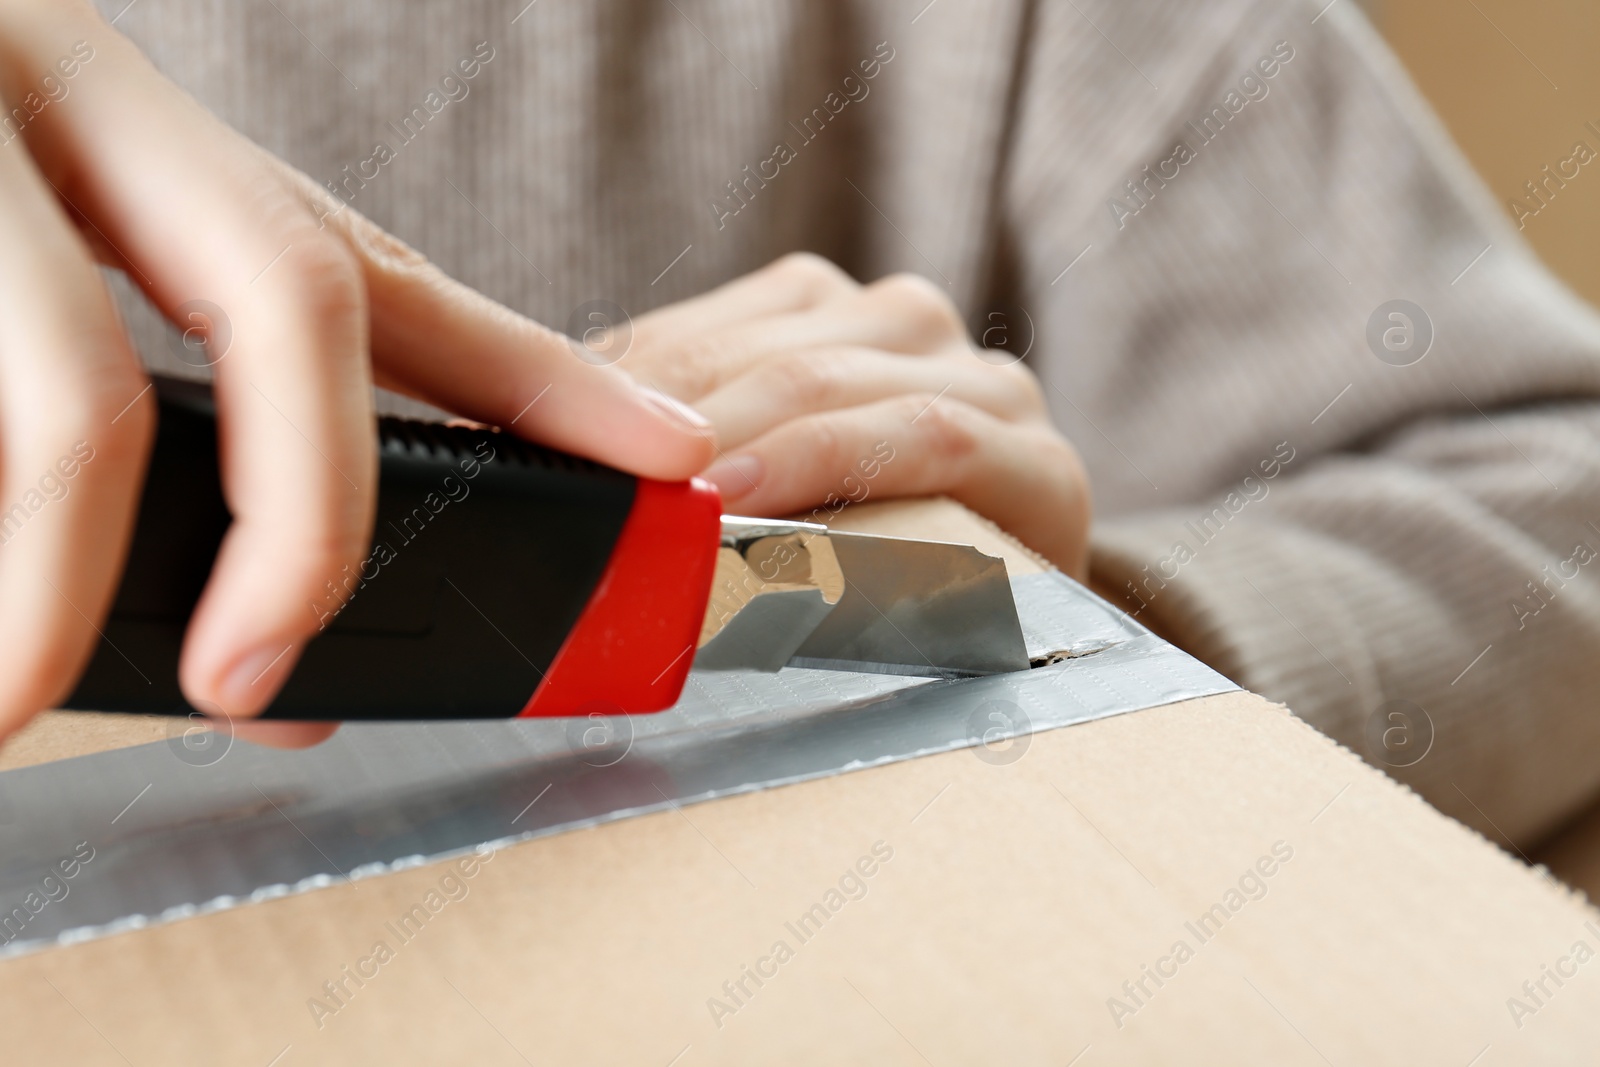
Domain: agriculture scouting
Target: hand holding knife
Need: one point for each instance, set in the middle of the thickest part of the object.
(506, 579)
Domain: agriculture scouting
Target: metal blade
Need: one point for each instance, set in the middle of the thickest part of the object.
(765, 632)
(919, 608)
(774, 583)
(798, 594)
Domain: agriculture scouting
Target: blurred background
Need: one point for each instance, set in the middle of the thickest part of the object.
(1516, 81)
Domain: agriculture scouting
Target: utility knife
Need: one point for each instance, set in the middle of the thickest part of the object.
(507, 580)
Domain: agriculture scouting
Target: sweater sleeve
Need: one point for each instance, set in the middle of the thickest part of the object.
(1385, 515)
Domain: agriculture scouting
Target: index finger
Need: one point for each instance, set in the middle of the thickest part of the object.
(437, 340)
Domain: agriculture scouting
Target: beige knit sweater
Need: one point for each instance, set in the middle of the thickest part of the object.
(1190, 210)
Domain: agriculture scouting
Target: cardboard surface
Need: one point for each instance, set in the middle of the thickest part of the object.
(960, 911)
(1006, 905)
(936, 519)
(59, 734)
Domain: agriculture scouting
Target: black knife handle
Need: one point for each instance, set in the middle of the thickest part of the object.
(503, 579)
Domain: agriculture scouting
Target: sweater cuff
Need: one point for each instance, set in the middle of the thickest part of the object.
(1247, 600)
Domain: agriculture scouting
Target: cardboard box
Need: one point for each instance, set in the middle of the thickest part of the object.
(1204, 882)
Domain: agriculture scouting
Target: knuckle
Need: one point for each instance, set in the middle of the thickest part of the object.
(823, 440)
(371, 243)
(110, 413)
(125, 431)
(948, 427)
(924, 303)
(810, 380)
(325, 280)
(1023, 387)
(695, 368)
(1061, 455)
(346, 544)
(1058, 463)
(1054, 451)
(90, 389)
(812, 274)
(384, 251)
(44, 680)
(326, 545)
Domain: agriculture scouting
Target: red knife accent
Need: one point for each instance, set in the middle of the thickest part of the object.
(632, 648)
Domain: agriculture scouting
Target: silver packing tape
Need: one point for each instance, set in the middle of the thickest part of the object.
(198, 824)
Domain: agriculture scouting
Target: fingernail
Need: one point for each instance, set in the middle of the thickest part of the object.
(254, 679)
(736, 476)
(677, 410)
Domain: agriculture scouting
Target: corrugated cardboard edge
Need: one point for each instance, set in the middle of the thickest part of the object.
(1562, 891)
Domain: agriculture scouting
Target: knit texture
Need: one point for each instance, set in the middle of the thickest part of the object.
(1193, 249)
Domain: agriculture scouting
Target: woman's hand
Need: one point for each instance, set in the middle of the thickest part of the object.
(823, 390)
(102, 159)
